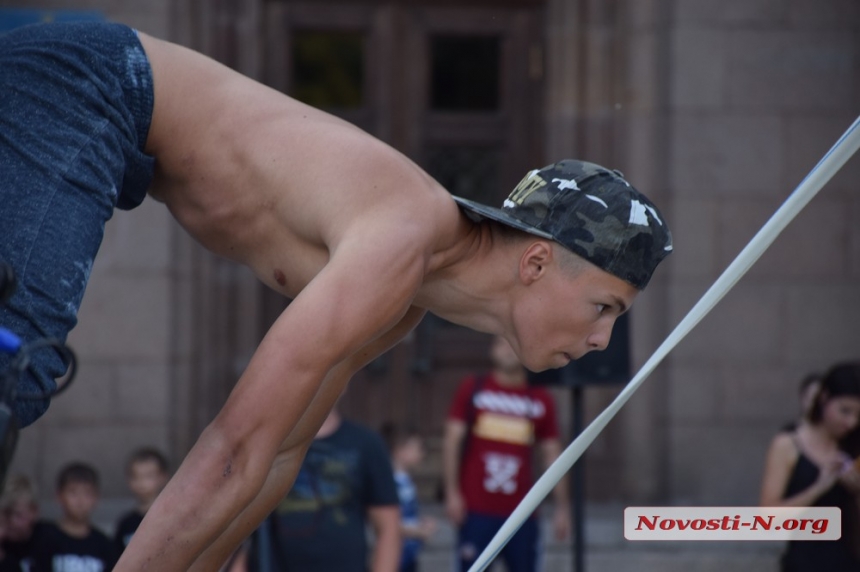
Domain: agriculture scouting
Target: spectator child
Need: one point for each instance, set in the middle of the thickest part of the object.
(496, 422)
(73, 543)
(407, 453)
(21, 512)
(147, 473)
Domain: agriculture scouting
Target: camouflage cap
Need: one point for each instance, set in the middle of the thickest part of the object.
(589, 210)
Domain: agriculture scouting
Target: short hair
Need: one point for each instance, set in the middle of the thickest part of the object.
(75, 473)
(506, 232)
(840, 380)
(396, 436)
(19, 488)
(148, 455)
(568, 260)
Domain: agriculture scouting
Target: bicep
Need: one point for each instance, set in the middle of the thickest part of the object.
(363, 292)
(360, 295)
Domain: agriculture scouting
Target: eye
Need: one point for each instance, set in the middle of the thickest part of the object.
(601, 308)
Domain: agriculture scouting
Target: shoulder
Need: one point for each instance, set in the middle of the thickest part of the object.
(541, 393)
(46, 535)
(470, 382)
(783, 447)
(98, 536)
(361, 433)
(45, 529)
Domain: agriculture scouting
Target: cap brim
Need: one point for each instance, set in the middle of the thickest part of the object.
(477, 211)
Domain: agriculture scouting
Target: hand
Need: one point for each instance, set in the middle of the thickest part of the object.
(850, 478)
(561, 522)
(829, 472)
(455, 507)
(427, 527)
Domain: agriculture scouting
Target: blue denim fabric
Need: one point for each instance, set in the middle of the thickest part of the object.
(521, 553)
(75, 107)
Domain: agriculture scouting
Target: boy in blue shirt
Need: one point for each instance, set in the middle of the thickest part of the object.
(407, 452)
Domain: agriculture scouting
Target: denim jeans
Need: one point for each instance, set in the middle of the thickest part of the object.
(521, 553)
(75, 107)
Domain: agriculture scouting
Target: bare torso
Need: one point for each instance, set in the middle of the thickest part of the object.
(362, 240)
(269, 182)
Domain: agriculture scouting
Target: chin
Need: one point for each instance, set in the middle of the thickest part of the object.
(539, 367)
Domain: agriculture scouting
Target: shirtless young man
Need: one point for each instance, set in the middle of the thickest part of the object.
(360, 238)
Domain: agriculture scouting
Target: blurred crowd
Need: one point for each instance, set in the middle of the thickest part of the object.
(354, 480)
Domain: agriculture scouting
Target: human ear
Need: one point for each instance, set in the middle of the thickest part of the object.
(534, 261)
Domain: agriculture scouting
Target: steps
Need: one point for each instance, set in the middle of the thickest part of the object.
(608, 551)
(606, 548)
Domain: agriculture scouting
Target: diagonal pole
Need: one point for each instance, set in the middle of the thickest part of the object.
(838, 155)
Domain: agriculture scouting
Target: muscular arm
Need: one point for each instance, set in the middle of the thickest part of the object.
(255, 445)
(386, 550)
(286, 466)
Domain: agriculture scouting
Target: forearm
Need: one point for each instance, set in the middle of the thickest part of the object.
(551, 451)
(277, 485)
(451, 462)
(213, 484)
(561, 494)
(283, 472)
(412, 531)
(386, 552)
(806, 497)
(386, 549)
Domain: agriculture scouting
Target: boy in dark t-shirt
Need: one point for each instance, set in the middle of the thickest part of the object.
(73, 544)
(147, 472)
(345, 484)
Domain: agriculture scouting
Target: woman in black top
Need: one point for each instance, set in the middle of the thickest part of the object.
(813, 466)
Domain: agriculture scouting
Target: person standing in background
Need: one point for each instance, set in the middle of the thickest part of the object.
(494, 423)
(73, 543)
(407, 453)
(147, 472)
(814, 466)
(21, 511)
(345, 483)
(806, 392)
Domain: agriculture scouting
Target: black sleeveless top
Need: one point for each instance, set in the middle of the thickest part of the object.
(815, 555)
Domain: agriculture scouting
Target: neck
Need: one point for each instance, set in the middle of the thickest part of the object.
(510, 377)
(473, 288)
(818, 435)
(74, 528)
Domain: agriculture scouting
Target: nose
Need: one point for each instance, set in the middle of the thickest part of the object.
(599, 338)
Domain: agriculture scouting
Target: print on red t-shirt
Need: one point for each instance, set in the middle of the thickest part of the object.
(496, 473)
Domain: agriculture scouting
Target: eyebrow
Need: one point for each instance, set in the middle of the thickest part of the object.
(618, 301)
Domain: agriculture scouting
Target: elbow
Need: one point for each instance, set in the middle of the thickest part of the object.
(236, 456)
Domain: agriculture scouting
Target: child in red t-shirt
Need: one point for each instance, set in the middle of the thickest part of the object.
(493, 425)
